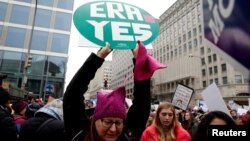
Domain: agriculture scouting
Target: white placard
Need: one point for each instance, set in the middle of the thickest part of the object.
(213, 99)
(182, 96)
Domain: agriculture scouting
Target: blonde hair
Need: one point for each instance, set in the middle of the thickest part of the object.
(164, 135)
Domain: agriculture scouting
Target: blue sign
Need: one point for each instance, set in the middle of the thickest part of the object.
(227, 30)
(49, 88)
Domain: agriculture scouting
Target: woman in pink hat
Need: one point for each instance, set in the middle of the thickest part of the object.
(110, 121)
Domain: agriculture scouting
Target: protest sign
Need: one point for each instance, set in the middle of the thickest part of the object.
(227, 31)
(182, 96)
(213, 99)
(120, 24)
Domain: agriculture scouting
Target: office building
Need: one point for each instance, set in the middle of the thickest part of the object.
(180, 46)
(40, 29)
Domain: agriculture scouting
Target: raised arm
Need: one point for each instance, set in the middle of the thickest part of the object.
(139, 112)
(75, 118)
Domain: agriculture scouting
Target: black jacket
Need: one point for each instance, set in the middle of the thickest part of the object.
(42, 129)
(77, 122)
(7, 126)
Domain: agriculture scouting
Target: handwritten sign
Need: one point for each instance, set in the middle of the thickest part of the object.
(182, 96)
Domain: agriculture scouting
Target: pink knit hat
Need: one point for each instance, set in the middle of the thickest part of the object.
(110, 104)
(145, 65)
(18, 106)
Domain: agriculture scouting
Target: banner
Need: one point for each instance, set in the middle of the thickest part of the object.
(227, 30)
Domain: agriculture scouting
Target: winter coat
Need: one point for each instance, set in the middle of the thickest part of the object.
(7, 125)
(46, 125)
(77, 123)
(150, 134)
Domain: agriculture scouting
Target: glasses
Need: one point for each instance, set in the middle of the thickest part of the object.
(108, 123)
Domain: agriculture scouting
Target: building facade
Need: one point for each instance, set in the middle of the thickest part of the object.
(190, 62)
(40, 29)
(102, 80)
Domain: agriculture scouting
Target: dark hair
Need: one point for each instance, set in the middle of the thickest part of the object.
(4, 96)
(201, 132)
(31, 109)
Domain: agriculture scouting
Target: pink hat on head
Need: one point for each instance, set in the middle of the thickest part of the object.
(110, 104)
(145, 65)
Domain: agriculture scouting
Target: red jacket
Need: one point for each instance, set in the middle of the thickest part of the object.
(150, 134)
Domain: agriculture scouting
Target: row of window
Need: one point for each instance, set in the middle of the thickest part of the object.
(16, 37)
(13, 62)
(64, 4)
(43, 18)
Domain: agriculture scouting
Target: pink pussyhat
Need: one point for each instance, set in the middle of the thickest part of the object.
(145, 65)
(110, 104)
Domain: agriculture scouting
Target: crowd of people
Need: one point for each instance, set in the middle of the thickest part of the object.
(68, 118)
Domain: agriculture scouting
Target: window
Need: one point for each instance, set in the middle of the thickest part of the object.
(223, 67)
(195, 42)
(63, 21)
(203, 72)
(204, 84)
(65, 4)
(214, 57)
(46, 2)
(43, 18)
(184, 37)
(208, 50)
(195, 31)
(210, 70)
(202, 50)
(60, 43)
(184, 48)
(215, 69)
(216, 80)
(189, 34)
(179, 40)
(209, 59)
(175, 52)
(20, 14)
(11, 62)
(180, 50)
(224, 80)
(238, 79)
(3, 7)
(15, 37)
(200, 39)
(57, 66)
(203, 61)
(246, 80)
(39, 40)
(190, 45)
(28, 1)
(199, 28)
(1, 28)
(37, 66)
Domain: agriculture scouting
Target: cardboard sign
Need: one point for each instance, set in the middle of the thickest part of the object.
(227, 31)
(120, 24)
(213, 99)
(182, 96)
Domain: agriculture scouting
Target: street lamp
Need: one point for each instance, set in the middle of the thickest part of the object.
(191, 55)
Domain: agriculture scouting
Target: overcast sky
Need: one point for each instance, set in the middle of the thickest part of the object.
(77, 55)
